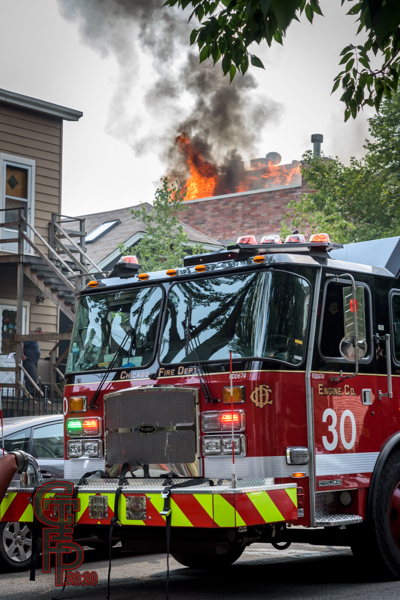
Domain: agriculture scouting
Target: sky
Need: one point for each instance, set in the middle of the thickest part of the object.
(138, 85)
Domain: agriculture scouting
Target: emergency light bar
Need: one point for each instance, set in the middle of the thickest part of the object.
(242, 252)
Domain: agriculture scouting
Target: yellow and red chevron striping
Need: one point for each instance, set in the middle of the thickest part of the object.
(188, 510)
(14, 506)
(194, 510)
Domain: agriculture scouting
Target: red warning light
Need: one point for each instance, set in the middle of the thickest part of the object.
(129, 259)
(246, 239)
(296, 237)
(352, 305)
(229, 418)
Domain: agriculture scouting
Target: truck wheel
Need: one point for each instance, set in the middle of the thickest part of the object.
(15, 545)
(387, 523)
(209, 562)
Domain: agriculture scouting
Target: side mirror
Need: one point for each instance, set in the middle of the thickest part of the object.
(353, 345)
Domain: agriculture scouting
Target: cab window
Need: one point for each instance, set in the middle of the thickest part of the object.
(332, 330)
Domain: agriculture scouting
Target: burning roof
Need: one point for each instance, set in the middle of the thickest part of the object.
(201, 178)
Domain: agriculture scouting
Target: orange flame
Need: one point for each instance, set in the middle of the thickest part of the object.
(270, 175)
(203, 175)
(204, 180)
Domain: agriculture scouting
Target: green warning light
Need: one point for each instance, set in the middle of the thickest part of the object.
(74, 427)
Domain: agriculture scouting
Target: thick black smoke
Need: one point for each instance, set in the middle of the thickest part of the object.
(222, 120)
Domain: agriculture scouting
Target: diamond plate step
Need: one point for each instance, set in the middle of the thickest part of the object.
(337, 520)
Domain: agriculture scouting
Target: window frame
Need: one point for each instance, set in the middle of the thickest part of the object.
(368, 314)
(29, 165)
(393, 292)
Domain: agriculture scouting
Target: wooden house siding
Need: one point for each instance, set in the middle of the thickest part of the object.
(40, 315)
(36, 136)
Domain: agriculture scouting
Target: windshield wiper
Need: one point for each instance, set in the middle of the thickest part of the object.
(133, 331)
(190, 347)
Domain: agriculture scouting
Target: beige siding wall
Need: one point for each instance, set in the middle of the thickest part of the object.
(38, 137)
(39, 315)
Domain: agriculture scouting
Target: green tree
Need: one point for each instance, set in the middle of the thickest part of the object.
(360, 201)
(347, 203)
(229, 27)
(384, 151)
(165, 244)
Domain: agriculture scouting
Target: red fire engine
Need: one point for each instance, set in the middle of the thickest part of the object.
(230, 401)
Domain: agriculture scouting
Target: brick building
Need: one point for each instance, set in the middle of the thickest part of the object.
(257, 212)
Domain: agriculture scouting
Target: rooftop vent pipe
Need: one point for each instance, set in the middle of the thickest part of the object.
(317, 139)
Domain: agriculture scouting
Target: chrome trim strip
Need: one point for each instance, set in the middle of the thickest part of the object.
(310, 398)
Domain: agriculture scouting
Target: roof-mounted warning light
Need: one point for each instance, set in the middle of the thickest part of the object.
(129, 259)
(320, 237)
(271, 239)
(295, 237)
(127, 266)
(247, 239)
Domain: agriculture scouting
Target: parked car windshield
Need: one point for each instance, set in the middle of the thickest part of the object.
(104, 322)
(251, 315)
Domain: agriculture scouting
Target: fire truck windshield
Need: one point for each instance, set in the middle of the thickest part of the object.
(102, 324)
(252, 314)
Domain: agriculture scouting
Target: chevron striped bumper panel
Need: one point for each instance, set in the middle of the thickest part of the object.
(255, 502)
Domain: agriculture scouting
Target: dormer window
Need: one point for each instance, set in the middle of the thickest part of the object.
(101, 230)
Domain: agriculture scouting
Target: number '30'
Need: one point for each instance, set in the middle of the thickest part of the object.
(329, 413)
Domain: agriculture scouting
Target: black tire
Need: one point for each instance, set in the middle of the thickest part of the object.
(377, 546)
(209, 562)
(15, 545)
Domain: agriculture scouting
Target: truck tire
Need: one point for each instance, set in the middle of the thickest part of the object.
(387, 522)
(15, 545)
(377, 543)
(209, 562)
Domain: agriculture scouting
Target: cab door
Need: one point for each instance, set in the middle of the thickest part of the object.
(346, 406)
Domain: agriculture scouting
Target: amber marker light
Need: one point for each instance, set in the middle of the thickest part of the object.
(93, 283)
(258, 259)
(297, 475)
(172, 272)
(77, 404)
(143, 276)
(200, 268)
(237, 392)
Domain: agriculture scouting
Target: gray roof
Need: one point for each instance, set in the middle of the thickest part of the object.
(128, 232)
(68, 114)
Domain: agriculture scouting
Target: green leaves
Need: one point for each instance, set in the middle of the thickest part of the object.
(165, 244)
(256, 62)
(357, 202)
(228, 28)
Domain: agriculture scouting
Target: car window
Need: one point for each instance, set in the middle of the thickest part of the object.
(49, 441)
(18, 441)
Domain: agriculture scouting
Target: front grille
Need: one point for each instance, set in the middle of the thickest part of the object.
(151, 426)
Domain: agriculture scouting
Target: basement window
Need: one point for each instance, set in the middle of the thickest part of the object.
(101, 230)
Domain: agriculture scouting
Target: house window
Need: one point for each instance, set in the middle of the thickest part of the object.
(17, 176)
(97, 233)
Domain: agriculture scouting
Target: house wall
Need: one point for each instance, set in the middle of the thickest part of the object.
(36, 136)
(40, 315)
(227, 217)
